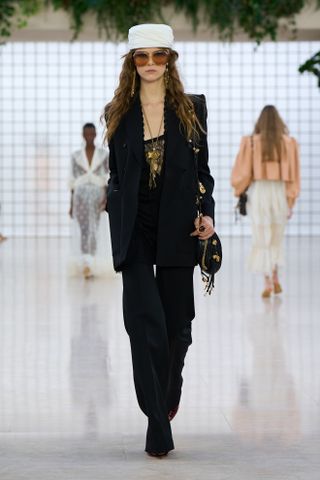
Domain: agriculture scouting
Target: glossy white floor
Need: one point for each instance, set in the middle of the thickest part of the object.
(251, 400)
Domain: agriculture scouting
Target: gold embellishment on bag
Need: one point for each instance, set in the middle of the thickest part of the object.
(216, 258)
(214, 242)
(202, 188)
(203, 259)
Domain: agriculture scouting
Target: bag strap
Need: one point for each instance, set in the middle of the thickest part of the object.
(200, 189)
(236, 208)
(198, 184)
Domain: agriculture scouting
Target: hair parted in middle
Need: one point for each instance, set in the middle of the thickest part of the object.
(175, 96)
(271, 128)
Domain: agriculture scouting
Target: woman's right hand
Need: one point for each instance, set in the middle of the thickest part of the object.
(204, 228)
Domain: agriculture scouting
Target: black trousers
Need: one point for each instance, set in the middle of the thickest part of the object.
(158, 309)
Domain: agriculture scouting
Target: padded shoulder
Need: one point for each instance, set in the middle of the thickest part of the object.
(197, 98)
(200, 107)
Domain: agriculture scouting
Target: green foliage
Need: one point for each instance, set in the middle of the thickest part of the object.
(7, 11)
(312, 65)
(259, 19)
(14, 14)
(113, 17)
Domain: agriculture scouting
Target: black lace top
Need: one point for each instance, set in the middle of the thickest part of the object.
(143, 245)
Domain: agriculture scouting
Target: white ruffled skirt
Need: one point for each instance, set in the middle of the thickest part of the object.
(267, 208)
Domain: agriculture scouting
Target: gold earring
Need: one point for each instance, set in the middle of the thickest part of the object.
(133, 83)
(166, 77)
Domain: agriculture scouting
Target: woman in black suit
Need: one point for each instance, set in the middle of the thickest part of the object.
(153, 128)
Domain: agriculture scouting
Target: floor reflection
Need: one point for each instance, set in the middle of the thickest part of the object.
(268, 407)
(89, 362)
(250, 405)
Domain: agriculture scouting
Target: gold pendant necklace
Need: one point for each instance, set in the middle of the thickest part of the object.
(154, 156)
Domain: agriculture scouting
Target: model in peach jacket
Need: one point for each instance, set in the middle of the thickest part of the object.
(271, 173)
(249, 167)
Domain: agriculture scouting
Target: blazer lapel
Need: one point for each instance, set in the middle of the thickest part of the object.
(134, 130)
(81, 159)
(174, 140)
(98, 157)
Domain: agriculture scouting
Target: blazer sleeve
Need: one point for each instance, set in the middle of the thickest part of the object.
(204, 174)
(113, 182)
(241, 174)
(293, 186)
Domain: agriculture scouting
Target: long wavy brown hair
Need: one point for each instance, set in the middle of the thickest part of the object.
(271, 127)
(175, 96)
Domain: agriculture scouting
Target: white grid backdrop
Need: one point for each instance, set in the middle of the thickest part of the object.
(49, 90)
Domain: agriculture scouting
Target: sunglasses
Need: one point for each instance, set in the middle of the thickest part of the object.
(160, 57)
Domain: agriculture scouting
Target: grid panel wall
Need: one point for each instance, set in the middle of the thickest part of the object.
(49, 90)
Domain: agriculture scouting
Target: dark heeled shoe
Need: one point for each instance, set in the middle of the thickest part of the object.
(172, 413)
(157, 454)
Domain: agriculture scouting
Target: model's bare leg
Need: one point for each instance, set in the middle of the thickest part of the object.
(275, 280)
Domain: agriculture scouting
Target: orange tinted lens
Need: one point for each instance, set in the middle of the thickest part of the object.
(160, 58)
(140, 59)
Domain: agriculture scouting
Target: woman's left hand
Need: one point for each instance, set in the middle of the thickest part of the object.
(204, 228)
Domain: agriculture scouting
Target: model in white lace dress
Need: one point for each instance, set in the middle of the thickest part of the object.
(88, 183)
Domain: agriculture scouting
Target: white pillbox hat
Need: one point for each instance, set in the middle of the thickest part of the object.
(149, 35)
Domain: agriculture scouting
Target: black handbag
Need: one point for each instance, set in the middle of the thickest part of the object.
(209, 252)
(209, 258)
(242, 203)
(241, 206)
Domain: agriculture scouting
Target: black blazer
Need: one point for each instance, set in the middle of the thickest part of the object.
(177, 212)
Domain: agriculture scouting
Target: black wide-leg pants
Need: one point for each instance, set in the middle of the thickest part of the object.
(158, 308)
